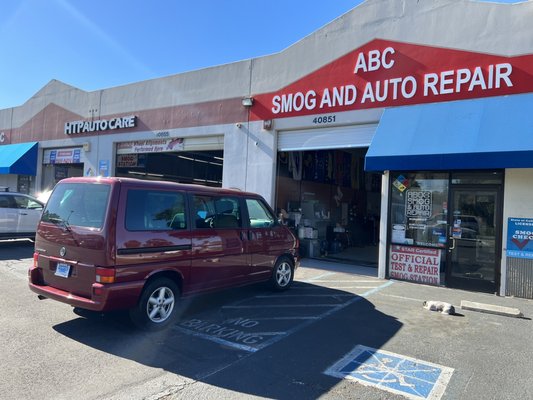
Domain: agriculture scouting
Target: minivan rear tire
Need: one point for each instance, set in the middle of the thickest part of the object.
(158, 305)
(283, 274)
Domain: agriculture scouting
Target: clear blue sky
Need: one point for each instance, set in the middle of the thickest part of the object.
(96, 44)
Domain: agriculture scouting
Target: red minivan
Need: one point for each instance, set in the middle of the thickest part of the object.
(108, 244)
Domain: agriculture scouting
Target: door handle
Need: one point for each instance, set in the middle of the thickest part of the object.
(453, 244)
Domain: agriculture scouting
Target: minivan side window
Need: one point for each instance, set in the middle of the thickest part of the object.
(216, 212)
(154, 210)
(260, 216)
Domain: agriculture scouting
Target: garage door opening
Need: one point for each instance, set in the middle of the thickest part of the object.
(198, 167)
(332, 204)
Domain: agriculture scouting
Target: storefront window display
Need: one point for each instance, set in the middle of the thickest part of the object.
(418, 229)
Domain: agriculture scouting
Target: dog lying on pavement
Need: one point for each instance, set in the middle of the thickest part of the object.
(444, 308)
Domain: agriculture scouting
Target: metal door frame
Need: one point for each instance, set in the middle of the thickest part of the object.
(472, 284)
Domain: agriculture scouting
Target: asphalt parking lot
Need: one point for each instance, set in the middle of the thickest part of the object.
(338, 333)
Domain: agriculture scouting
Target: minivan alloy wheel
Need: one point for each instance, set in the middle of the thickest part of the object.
(158, 306)
(282, 275)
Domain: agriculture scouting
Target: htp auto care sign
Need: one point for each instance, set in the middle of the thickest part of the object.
(417, 264)
(385, 73)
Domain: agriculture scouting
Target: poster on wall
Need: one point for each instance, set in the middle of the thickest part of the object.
(103, 168)
(520, 238)
(416, 264)
(418, 204)
(127, 160)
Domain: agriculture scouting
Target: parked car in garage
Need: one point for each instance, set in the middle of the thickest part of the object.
(19, 214)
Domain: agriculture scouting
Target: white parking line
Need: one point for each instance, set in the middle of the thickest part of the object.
(320, 276)
(327, 313)
(284, 318)
(402, 297)
(279, 296)
(332, 287)
(282, 306)
(239, 333)
(344, 281)
(218, 340)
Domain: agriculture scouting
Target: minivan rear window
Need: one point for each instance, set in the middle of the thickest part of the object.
(78, 204)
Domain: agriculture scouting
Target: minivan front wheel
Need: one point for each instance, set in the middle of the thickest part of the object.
(283, 274)
(158, 305)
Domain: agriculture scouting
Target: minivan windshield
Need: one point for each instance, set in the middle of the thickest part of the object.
(78, 204)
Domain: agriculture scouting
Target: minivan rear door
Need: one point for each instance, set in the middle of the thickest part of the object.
(75, 234)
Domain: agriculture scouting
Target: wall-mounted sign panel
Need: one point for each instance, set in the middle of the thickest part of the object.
(63, 156)
(520, 238)
(388, 74)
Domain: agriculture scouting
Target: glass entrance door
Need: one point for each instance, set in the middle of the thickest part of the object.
(473, 238)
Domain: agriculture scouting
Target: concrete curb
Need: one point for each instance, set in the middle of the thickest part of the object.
(491, 309)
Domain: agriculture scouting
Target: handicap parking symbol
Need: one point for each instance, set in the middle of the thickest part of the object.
(412, 378)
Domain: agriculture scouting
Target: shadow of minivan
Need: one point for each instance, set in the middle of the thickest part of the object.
(106, 244)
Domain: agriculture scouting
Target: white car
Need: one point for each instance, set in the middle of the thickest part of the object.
(19, 215)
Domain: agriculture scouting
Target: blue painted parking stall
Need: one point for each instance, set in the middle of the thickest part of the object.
(395, 373)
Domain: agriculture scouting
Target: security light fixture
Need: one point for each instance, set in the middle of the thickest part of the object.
(248, 101)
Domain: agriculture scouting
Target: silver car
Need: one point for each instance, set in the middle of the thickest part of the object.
(19, 215)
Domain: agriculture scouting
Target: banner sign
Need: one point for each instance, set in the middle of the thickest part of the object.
(388, 74)
(62, 156)
(520, 238)
(150, 146)
(417, 264)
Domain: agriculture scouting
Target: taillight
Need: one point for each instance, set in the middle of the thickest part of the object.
(105, 275)
(35, 260)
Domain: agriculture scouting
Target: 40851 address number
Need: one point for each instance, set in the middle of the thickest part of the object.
(326, 119)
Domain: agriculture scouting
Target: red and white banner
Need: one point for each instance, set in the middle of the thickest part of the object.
(150, 146)
(385, 74)
(417, 264)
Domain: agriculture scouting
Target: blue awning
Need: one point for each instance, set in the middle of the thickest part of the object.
(19, 159)
(489, 133)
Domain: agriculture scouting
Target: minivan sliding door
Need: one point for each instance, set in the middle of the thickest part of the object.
(218, 255)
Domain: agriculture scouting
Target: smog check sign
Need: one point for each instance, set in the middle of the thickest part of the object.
(520, 238)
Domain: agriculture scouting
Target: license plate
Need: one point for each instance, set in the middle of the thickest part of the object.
(62, 270)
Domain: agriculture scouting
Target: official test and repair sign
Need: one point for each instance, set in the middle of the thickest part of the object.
(520, 238)
(417, 264)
